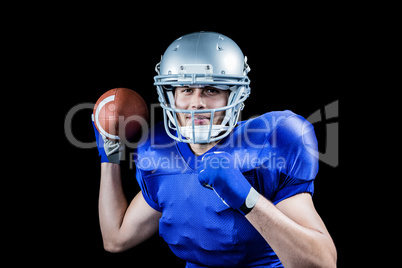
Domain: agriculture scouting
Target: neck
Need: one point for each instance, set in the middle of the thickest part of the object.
(201, 148)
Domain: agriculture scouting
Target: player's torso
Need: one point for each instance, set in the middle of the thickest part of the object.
(199, 227)
(195, 222)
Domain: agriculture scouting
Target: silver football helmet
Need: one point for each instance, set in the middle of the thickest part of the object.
(197, 60)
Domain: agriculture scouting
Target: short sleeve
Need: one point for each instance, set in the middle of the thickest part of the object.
(289, 187)
(294, 140)
(146, 194)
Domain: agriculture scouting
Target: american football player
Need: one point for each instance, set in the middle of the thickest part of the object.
(221, 192)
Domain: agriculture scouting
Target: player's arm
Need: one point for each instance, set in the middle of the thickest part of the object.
(293, 228)
(123, 226)
(295, 231)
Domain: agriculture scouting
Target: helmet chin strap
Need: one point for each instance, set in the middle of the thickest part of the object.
(201, 133)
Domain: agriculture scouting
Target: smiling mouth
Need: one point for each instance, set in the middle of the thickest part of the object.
(199, 119)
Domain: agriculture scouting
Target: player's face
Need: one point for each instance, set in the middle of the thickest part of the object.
(199, 99)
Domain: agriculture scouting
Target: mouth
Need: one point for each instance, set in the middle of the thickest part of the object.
(199, 119)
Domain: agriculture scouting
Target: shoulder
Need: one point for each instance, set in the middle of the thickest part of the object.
(256, 138)
(154, 137)
(279, 126)
(278, 137)
(154, 145)
(268, 121)
(158, 154)
(294, 131)
(256, 131)
(294, 139)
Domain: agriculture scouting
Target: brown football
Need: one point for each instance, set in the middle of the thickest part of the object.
(120, 113)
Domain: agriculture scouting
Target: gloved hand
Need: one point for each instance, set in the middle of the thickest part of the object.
(219, 172)
(109, 150)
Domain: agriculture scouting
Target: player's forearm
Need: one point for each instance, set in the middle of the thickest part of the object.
(112, 202)
(295, 245)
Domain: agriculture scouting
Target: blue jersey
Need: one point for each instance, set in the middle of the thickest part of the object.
(276, 152)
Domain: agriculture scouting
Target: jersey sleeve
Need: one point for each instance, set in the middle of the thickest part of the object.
(146, 193)
(294, 140)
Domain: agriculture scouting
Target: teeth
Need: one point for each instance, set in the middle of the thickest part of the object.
(200, 117)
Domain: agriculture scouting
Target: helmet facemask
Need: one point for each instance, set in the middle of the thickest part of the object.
(201, 75)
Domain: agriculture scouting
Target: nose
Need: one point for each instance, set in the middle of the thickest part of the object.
(197, 100)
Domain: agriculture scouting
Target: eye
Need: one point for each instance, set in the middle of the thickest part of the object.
(212, 91)
(186, 90)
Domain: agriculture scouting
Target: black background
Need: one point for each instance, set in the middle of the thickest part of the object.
(299, 61)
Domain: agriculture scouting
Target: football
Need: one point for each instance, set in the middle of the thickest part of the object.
(120, 114)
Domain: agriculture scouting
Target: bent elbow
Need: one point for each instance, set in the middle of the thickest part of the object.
(329, 260)
(330, 263)
(333, 260)
(113, 247)
(325, 260)
(332, 257)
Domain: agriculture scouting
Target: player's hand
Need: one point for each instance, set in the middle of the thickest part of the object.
(219, 172)
(109, 150)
